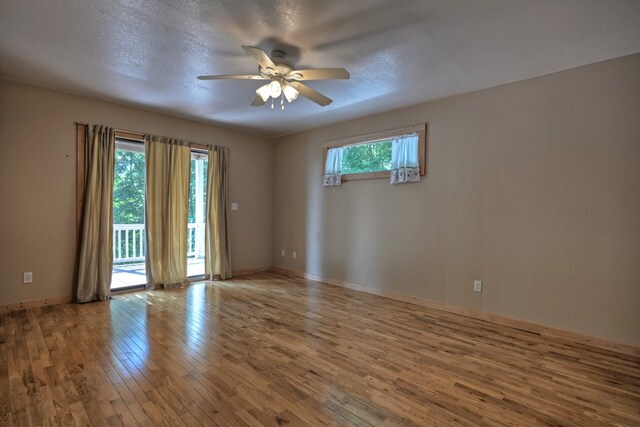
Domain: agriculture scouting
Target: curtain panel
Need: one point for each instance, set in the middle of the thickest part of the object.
(217, 242)
(166, 211)
(405, 165)
(333, 167)
(95, 257)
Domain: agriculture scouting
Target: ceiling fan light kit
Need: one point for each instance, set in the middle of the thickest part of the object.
(277, 89)
(284, 79)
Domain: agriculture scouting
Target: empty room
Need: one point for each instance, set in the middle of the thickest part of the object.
(305, 213)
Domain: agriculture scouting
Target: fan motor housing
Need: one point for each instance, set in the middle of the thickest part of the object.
(283, 65)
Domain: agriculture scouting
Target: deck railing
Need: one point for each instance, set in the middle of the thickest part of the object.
(129, 242)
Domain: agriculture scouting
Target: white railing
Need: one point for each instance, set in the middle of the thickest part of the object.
(195, 240)
(129, 242)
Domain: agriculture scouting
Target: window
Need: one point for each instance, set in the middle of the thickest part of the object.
(369, 156)
(372, 156)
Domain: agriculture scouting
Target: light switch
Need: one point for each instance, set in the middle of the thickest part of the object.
(234, 206)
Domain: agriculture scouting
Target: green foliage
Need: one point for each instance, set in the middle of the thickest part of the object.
(192, 189)
(371, 157)
(129, 196)
(128, 188)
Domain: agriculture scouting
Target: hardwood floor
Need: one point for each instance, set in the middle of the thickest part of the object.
(271, 350)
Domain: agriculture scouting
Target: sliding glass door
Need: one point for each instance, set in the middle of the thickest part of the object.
(128, 216)
(197, 212)
(129, 251)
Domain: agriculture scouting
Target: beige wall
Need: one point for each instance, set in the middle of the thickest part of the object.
(37, 184)
(532, 187)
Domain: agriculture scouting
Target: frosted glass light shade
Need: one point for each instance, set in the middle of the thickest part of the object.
(290, 93)
(275, 89)
(264, 92)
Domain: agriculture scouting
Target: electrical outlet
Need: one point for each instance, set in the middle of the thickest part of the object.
(294, 255)
(27, 277)
(282, 252)
(234, 206)
(477, 286)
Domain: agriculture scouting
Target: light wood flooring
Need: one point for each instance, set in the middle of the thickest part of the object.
(271, 350)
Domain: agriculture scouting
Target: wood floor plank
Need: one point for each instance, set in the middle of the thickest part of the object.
(272, 350)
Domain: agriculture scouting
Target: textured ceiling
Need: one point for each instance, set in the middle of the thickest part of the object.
(148, 53)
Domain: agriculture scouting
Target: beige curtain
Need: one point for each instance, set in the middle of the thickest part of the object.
(96, 248)
(167, 209)
(217, 245)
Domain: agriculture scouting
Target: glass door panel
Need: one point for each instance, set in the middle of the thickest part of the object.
(197, 212)
(128, 216)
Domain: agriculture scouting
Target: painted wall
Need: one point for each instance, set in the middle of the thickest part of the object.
(38, 184)
(532, 187)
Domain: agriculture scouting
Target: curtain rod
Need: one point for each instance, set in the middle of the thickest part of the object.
(142, 135)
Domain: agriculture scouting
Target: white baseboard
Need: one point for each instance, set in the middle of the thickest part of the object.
(576, 337)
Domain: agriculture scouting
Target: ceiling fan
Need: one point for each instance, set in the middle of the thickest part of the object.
(284, 79)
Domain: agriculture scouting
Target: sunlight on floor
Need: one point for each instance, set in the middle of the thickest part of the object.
(135, 274)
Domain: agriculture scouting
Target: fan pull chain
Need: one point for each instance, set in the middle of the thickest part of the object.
(282, 101)
(272, 103)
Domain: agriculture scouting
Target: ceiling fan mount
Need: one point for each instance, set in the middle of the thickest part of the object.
(285, 80)
(282, 65)
(278, 54)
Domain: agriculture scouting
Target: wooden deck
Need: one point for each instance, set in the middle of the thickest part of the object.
(127, 275)
(270, 350)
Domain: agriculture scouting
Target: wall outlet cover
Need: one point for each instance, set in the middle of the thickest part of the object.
(477, 286)
(27, 277)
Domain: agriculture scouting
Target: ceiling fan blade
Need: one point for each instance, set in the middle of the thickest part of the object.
(312, 94)
(257, 101)
(260, 56)
(319, 74)
(233, 76)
